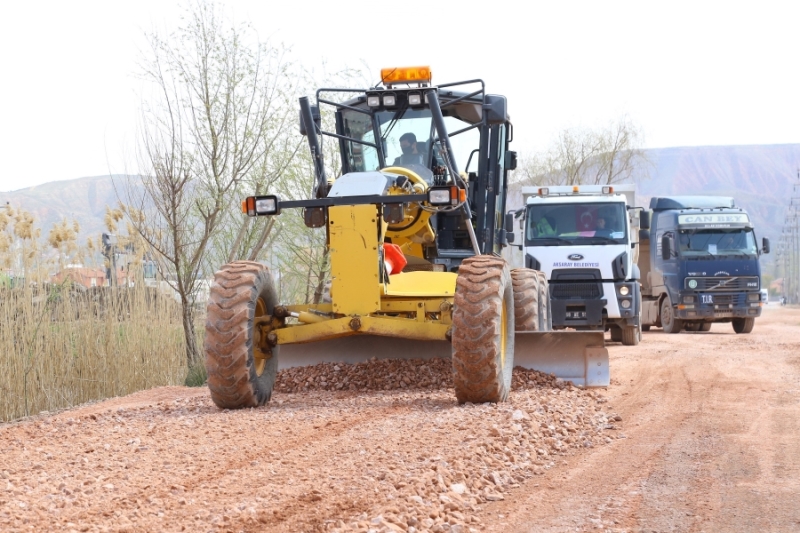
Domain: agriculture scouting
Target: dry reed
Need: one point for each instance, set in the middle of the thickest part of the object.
(63, 345)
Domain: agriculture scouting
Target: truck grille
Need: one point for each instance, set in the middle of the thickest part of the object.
(727, 283)
(575, 290)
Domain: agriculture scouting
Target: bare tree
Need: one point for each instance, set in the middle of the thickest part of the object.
(208, 126)
(607, 155)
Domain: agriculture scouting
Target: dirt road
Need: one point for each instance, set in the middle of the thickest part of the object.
(698, 432)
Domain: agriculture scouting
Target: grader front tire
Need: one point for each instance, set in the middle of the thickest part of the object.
(241, 373)
(483, 330)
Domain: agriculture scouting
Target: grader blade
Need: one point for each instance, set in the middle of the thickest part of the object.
(576, 356)
(358, 349)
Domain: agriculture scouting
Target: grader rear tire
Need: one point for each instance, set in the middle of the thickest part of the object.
(545, 312)
(240, 373)
(483, 330)
(527, 305)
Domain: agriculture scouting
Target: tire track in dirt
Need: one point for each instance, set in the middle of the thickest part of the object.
(712, 425)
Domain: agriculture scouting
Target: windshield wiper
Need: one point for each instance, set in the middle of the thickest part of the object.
(601, 239)
(550, 241)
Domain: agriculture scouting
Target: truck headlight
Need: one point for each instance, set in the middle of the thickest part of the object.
(753, 297)
(626, 304)
(688, 299)
(624, 290)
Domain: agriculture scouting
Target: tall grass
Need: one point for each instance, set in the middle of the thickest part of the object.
(63, 345)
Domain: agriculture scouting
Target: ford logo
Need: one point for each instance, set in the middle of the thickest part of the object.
(575, 257)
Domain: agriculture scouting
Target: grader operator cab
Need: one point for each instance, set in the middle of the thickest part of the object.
(414, 228)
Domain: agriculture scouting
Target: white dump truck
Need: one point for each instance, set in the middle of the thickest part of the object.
(585, 239)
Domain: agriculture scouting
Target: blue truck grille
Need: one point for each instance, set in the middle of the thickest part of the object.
(727, 283)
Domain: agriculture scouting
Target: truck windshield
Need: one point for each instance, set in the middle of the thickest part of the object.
(571, 223)
(714, 242)
(407, 140)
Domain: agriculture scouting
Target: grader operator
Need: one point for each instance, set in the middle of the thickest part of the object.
(414, 249)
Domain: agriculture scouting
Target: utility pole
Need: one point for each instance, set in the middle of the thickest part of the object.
(790, 247)
(110, 252)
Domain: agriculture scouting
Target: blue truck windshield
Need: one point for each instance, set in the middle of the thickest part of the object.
(704, 243)
(565, 224)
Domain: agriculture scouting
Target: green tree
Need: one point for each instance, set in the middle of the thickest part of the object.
(606, 155)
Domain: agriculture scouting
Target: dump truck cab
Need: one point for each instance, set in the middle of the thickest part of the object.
(700, 265)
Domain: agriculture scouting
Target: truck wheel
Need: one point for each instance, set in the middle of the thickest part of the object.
(616, 333)
(743, 325)
(668, 320)
(483, 330)
(705, 326)
(631, 335)
(240, 372)
(527, 305)
(545, 311)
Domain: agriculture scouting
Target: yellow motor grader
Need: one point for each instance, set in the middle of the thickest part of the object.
(415, 225)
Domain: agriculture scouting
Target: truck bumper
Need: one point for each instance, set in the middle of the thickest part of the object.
(717, 306)
(594, 313)
(711, 313)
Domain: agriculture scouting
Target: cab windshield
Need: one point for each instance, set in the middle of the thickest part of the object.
(585, 224)
(400, 127)
(703, 243)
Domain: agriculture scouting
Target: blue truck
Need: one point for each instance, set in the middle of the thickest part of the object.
(699, 264)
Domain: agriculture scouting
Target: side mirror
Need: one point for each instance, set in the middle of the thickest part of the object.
(509, 227)
(666, 248)
(509, 222)
(765, 245)
(511, 160)
(644, 219)
(315, 115)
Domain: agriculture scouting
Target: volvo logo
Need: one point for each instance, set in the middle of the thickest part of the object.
(575, 257)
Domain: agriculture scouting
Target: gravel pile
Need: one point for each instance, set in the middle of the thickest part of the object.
(341, 454)
(392, 374)
(498, 446)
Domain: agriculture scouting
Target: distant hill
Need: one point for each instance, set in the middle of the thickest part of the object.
(759, 177)
(83, 199)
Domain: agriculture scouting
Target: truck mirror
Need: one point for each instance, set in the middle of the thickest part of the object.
(509, 222)
(315, 115)
(765, 245)
(511, 160)
(666, 248)
(644, 219)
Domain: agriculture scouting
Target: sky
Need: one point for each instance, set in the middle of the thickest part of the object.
(687, 73)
